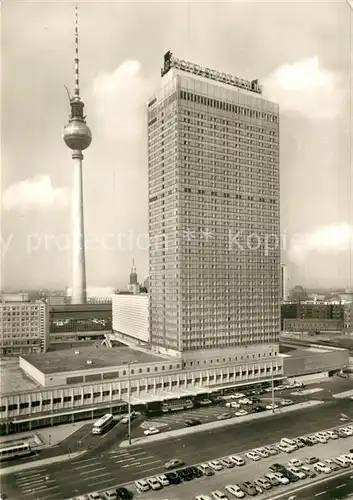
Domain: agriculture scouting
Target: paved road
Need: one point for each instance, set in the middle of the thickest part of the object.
(120, 465)
(83, 439)
(329, 489)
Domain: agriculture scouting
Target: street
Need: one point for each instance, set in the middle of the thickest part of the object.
(120, 465)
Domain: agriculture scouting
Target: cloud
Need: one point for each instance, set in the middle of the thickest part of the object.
(119, 101)
(333, 239)
(36, 193)
(306, 88)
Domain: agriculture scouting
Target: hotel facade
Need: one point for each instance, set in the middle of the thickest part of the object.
(214, 215)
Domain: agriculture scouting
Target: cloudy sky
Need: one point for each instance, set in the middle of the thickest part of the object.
(300, 51)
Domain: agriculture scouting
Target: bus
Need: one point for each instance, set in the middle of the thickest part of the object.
(103, 424)
(15, 450)
(177, 405)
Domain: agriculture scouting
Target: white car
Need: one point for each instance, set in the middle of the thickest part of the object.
(295, 462)
(281, 478)
(300, 473)
(94, 496)
(241, 413)
(245, 401)
(286, 448)
(341, 462)
(332, 434)
(215, 465)
(163, 480)
(227, 462)
(238, 395)
(142, 485)
(110, 495)
(330, 463)
(219, 495)
(321, 467)
(348, 457)
(271, 450)
(263, 453)
(321, 438)
(347, 431)
(271, 407)
(233, 404)
(252, 455)
(235, 490)
(237, 460)
(151, 431)
(154, 483)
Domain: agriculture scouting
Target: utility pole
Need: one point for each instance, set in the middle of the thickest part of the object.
(129, 401)
(273, 388)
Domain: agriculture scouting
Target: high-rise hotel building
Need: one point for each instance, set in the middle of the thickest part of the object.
(214, 216)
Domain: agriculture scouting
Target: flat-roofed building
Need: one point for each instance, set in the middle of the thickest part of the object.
(24, 327)
(131, 317)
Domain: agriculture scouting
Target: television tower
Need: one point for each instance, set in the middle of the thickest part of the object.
(77, 137)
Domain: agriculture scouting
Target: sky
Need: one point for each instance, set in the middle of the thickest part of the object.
(301, 53)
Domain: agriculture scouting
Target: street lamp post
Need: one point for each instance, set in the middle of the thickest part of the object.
(129, 400)
(273, 388)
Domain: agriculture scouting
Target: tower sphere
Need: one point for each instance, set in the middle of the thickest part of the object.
(77, 135)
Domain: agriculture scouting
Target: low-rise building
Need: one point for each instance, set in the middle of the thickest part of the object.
(348, 317)
(24, 327)
(312, 325)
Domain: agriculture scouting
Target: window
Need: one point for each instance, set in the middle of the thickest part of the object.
(35, 403)
(96, 394)
(77, 397)
(56, 401)
(87, 396)
(24, 405)
(106, 393)
(46, 402)
(67, 399)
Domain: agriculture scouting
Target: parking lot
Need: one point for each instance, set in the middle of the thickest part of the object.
(204, 485)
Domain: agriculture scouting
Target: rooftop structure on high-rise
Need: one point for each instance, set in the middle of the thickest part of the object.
(77, 137)
(213, 153)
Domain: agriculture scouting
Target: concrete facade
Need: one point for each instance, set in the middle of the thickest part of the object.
(24, 327)
(131, 316)
(213, 154)
(348, 317)
(307, 325)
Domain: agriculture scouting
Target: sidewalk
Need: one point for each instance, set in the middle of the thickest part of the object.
(46, 437)
(219, 424)
(39, 463)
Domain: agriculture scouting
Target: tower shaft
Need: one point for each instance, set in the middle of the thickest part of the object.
(79, 294)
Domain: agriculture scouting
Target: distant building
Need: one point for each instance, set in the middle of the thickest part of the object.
(312, 311)
(24, 327)
(348, 317)
(14, 297)
(95, 295)
(146, 284)
(312, 325)
(131, 317)
(284, 284)
(76, 322)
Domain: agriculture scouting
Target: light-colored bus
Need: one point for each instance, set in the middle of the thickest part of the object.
(177, 405)
(103, 424)
(15, 450)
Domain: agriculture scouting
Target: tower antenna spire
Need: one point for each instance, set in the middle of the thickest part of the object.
(77, 60)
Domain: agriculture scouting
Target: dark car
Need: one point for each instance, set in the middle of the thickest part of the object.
(312, 460)
(192, 421)
(289, 475)
(276, 467)
(185, 475)
(173, 477)
(124, 494)
(196, 471)
(259, 408)
(305, 441)
(249, 488)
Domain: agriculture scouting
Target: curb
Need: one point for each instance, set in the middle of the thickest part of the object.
(217, 424)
